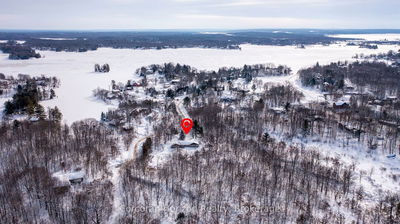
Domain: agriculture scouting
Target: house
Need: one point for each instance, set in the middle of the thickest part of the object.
(111, 96)
(136, 84)
(277, 110)
(181, 146)
(391, 156)
(193, 145)
(390, 99)
(376, 102)
(175, 81)
(127, 127)
(34, 119)
(76, 180)
(228, 99)
(388, 123)
(340, 105)
(349, 88)
(116, 91)
(317, 118)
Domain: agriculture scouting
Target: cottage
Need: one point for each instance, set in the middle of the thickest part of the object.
(340, 105)
(181, 146)
(34, 119)
(175, 81)
(391, 156)
(277, 110)
(193, 145)
(76, 180)
(228, 99)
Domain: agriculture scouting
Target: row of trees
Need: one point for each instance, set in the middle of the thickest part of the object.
(104, 68)
(84, 41)
(172, 71)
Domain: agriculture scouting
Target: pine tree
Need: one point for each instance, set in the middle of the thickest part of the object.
(97, 68)
(102, 117)
(181, 136)
(9, 107)
(186, 101)
(40, 112)
(56, 114)
(146, 148)
(30, 108)
(52, 94)
(197, 129)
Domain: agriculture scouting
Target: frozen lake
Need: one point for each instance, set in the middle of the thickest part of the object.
(78, 80)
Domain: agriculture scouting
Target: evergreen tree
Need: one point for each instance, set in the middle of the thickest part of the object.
(146, 148)
(39, 110)
(170, 93)
(186, 101)
(30, 108)
(181, 136)
(287, 106)
(9, 107)
(52, 94)
(102, 117)
(55, 114)
(197, 129)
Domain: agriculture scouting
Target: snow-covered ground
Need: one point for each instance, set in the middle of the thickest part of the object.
(78, 79)
(74, 97)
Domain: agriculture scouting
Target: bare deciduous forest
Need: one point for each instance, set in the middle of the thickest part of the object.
(246, 160)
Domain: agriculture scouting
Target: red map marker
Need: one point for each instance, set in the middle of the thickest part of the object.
(186, 125)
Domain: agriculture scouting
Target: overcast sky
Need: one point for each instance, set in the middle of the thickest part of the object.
(198, 14)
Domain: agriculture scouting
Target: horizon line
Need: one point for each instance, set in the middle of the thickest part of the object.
(196, 30)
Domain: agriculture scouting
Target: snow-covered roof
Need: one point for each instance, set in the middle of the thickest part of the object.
(340, 103)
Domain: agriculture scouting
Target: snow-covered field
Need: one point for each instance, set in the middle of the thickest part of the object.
(78, 79)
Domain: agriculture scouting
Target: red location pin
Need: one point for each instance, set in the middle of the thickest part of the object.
(186, 125)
